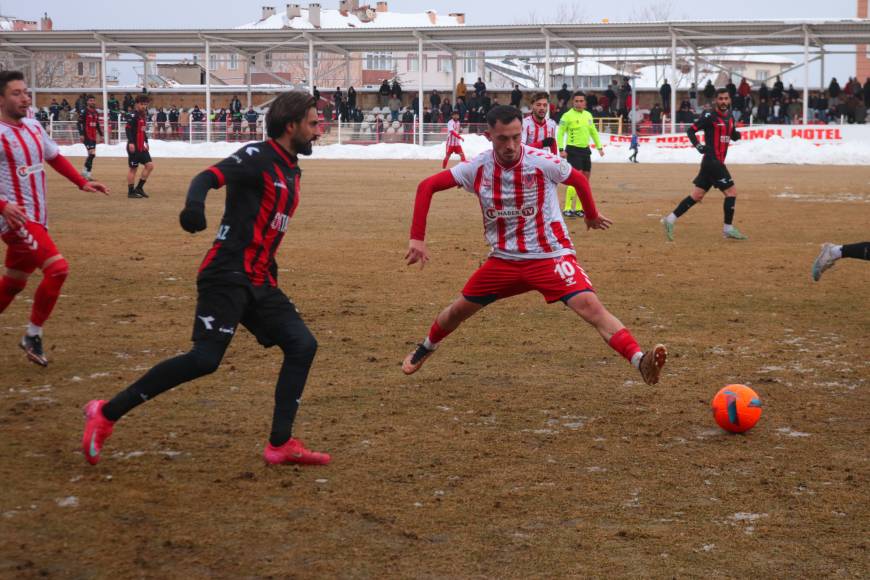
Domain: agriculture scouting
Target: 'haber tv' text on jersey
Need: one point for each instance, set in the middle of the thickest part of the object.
(262, 194)
(521, 215)
(26, 148)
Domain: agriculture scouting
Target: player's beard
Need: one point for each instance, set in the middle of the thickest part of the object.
(303, 147)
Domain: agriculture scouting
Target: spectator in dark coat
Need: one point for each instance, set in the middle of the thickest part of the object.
(834, 91)
(732, 89)
(564, 94)
(435, 100)
(516, 96)
(384, 92)
(665, 93)
(479, 87)
(351, 98)
(709, 91)
(396, 89)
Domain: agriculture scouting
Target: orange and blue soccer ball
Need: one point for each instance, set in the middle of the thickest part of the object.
(736, 408)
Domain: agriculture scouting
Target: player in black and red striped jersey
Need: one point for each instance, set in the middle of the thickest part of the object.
(89, 127)
(719, 131)
(237, 280)
(137, 148)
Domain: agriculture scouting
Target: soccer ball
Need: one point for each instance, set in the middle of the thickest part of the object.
(736, 408)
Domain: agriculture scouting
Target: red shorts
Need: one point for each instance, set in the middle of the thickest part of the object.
(556, 278)
(455, 149)
(28, 247)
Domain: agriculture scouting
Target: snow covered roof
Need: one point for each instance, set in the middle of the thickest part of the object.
(335, 19)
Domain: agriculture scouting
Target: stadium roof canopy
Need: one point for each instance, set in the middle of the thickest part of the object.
(455, 40)
(694, 34)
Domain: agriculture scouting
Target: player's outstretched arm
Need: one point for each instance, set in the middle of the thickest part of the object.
(594, 220)
(417, 251)
(62, 165)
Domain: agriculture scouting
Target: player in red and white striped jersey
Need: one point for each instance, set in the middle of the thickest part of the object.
(23, 217)
(538, 130)
(531, 249)
(454, 139)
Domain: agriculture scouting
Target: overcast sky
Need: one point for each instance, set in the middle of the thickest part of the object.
(230, 13)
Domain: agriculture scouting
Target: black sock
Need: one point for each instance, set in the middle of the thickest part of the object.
(299, 350)
(684, 206)
(202, 359)
(728, 209)
(860, 251)
(129, 188)
(140, 184)
(89, 162)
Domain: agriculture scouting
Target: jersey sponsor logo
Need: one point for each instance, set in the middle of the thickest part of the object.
(25, 170)
(280, 222)
(528, 211)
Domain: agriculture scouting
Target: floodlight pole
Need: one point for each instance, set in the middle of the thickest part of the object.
(822, 75)
(207, 92)
(420, 90)
(33, 79)
(633, 106)
(574, 80)
(673, 82)
(347, 70)
(453, 69)
(806, 75)
(106, 132)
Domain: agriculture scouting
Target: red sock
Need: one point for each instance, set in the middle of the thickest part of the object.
(437, 334)
(444, 163)
(48, 291)
(625, 344)
(9, 288)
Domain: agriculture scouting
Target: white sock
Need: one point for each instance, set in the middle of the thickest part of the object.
(429, 345)
(672, 218)
(837, 252)
(635, 360)
(33, 330)
(727, 228)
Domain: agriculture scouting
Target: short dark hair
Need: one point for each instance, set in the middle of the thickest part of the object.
(7, 76)
(503, 114)
(143, 99)
(539, 96)
(722, 90)
(289, 107)
(578, 94)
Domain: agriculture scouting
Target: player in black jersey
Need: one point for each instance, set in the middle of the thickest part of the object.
(719, 130)
(137, 148)
(237, 280)
(89, 126)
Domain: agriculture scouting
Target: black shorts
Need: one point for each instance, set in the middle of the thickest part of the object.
(265, 311)
(134, 159)
(713, 174)
(580, 158)
(89, 144)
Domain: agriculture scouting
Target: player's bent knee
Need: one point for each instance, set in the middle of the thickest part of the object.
(206, 357)
(58, 269)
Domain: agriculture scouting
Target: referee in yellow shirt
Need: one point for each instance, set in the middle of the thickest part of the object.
(578, 125)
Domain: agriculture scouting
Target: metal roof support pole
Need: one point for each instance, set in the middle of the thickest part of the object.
(695, 69)
(346, 70)
(207, 92)
(546, 63)
(248, 79)
(420, 84)
(311, 66)
(453, 63)
(576, 59)
(106, 132)
(806, 75)
(673, 82)
(633, 106)
(822, 74)
(33, 78)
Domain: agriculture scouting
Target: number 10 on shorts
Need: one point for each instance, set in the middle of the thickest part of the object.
(566, 271)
